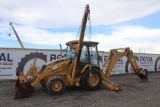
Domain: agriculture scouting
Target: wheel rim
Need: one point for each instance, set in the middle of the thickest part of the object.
(93, 79)
(57, 86)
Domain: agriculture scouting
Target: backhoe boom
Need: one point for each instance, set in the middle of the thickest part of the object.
(115, 55)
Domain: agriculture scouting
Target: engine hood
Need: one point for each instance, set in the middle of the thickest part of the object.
(57, 61)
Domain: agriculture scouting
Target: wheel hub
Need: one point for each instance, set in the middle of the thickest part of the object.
(56, 86)
(93, 79)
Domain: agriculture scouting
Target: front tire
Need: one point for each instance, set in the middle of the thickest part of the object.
(91, 81)
(55, 85)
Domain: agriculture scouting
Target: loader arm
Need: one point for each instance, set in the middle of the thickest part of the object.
(113, 57)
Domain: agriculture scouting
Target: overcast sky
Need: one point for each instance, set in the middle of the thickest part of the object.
(114, 23)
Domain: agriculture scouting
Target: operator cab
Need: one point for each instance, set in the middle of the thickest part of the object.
(89, 53)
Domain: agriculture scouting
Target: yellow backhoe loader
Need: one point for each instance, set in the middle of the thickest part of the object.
(80, 67)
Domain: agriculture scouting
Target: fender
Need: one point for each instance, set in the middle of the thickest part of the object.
(87, 66)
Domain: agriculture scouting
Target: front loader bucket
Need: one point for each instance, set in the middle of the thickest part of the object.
(22, 90)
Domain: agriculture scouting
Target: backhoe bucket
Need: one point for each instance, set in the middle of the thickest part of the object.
(144, 76)
(22, 90)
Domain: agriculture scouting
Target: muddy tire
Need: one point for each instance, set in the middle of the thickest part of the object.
(55, 85)
(91, 81)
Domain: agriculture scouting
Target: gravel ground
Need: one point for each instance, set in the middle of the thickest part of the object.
(135, 93)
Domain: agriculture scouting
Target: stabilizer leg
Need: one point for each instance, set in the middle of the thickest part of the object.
(111, 85)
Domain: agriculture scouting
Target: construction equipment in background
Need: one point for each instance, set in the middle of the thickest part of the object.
(80, 67)
(19, 40)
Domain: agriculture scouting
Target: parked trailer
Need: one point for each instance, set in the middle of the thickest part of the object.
(13, 59)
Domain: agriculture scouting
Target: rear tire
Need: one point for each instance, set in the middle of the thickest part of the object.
(55, 85)
(91, 81)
